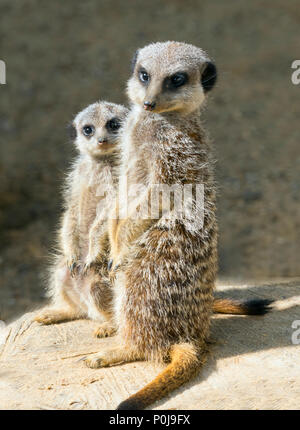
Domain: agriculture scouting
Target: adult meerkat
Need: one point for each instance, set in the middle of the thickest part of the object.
(165, 270)
(79, 284)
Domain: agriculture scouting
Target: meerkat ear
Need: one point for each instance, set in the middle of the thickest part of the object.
(209, 76)
(72, 132)
(134, 59)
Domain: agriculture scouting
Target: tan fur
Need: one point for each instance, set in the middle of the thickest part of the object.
(165, 273)
(184, 364)
(79, 285)
(229, 306)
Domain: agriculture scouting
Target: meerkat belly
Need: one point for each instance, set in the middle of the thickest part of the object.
(168, 294)
(87, 216)
(94, 204)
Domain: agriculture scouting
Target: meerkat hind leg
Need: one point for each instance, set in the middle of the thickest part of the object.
(56, 315)
(112, 356)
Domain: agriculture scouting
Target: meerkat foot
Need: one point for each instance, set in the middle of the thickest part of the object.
(96, 361)
(53, 316)
(110, 357)
(105, 330)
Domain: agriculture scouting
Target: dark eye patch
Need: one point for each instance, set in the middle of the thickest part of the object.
(88, 130)
(144, 77)
(72, 132)
(113, 124)
(176, 81)
(134, 60)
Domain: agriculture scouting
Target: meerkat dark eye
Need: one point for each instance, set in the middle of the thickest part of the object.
(88, 130)
(176, 80)
(143, 75)
(113, 125)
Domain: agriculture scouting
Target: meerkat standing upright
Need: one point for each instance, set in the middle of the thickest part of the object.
(164, 270)
(165, 273)
(79, 284)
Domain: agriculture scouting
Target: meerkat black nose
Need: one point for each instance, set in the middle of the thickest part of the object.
(102, 140)
(149, 105)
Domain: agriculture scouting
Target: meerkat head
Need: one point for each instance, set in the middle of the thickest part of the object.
(171, 76)
(96, 128)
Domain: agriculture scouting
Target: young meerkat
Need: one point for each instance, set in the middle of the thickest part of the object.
(79, 284)
(164, 268)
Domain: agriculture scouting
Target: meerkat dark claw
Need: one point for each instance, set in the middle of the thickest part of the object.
(85, 269)
(109, 264)
(72, 269)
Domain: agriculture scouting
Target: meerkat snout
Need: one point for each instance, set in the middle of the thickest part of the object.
(149, 105)
(171, 76)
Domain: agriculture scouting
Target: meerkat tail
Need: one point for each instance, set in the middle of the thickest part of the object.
(184, 364)
(243, 307)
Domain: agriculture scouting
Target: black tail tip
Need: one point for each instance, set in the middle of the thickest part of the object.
(258, 306)
(129, 405)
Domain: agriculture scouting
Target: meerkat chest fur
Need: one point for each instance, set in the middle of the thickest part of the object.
(96, 185)
(170, 149)
(135, 157)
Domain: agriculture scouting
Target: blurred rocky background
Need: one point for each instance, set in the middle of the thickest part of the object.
(61, 56)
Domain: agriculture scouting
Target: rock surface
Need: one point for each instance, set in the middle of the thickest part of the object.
(253, 363)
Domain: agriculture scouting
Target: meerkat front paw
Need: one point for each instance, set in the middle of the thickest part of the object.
(90, 262)
(115, 258)
(94, 361)
(86, 268)
(105, 330)
(114, 264)
(74, 265)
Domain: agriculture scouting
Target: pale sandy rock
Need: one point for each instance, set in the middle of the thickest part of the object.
(253, 363)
